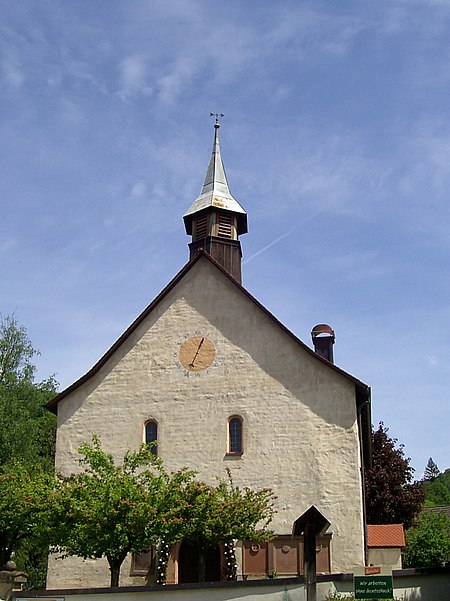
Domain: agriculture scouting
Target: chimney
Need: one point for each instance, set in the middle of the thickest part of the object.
(323, 339)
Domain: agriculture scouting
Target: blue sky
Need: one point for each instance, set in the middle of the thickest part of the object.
(336, 140)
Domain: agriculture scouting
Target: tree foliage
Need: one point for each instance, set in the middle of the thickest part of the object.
(215, 514)
(25, 507)
(437, 491)
(28, 429)
(431, 471)
(16, 352)
(428, 541)
(219, 514)
(391, 495)
(27, 439)
(111, 510)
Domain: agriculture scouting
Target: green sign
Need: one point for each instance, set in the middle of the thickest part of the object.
(373, 587)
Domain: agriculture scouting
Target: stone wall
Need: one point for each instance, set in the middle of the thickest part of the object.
(409, 585)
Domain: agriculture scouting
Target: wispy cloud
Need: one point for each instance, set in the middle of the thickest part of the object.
(138, 191)
(72, 114)
(81, 72)
(179, 75)
(133, 78)
(12, 71)
(314, 29)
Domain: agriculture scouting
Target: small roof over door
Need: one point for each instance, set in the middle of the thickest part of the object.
(311, 517)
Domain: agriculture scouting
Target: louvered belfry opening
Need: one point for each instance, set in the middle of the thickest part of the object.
(225, 223)
(216, 232)
(220, 224)
(200, 227)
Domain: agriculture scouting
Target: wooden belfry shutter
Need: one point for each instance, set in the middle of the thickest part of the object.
(225, 225)
(201, 227)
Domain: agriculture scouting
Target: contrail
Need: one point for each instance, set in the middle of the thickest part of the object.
(284, 235)
(270, 244)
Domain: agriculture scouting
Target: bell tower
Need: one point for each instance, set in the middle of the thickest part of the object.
(215, 219)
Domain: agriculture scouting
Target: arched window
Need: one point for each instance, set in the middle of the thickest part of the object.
(151, 434)
(235, 438)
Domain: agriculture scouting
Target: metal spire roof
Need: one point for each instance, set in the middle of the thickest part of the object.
(215, 191)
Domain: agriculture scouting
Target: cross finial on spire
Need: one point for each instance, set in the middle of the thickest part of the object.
(217, 116)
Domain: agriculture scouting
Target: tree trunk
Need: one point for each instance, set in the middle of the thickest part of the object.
(115, 564)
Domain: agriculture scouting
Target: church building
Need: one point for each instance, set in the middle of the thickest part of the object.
(217, 382)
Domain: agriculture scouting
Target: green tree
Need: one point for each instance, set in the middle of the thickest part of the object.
(219, 514)
(428, 541)
(27, 430)
(16, 352)
(27, 436)
(25, 507)
(431, 471)
(111, 510)
(437, 491)
(391, 495)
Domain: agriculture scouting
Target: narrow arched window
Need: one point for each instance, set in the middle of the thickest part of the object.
(151, 435)
(235, 439)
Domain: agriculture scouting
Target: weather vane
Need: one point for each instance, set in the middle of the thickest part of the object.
(217, 116)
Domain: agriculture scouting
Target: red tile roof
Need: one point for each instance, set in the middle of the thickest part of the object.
(386, 535)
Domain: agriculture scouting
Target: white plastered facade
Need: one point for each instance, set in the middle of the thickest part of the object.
(300, 430)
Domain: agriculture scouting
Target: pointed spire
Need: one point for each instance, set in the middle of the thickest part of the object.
(215, 178)
(216, 219)
(215, 191)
